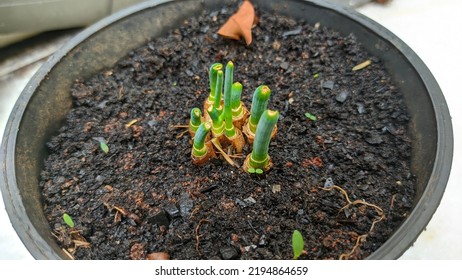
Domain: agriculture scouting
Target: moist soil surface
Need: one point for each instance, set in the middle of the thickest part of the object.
(145, 196)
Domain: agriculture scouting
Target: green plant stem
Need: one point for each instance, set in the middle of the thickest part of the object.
(213, 80)
(259, 104)
(228, 115)
(218, 126)
(236, 93)
(195, 119)
(218, 89)
(259, 156)
(199, 148)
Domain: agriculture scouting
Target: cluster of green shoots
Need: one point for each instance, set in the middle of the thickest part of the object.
(225, 120)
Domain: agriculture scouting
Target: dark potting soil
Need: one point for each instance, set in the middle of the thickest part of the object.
(145, 195)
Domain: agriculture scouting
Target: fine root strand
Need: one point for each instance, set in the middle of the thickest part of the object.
(182, 134)
(346, 256)
(361, 238)
(392, 202)
(178, 126)
(198, 236)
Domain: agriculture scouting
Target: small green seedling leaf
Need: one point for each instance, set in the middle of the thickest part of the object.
(251, 170)
(258, 171)
(311, 117)
(68, 220)
(104, 147)
(297, 244)
(102, 144)
(315, 76)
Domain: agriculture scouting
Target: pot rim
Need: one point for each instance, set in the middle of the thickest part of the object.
(394, 247)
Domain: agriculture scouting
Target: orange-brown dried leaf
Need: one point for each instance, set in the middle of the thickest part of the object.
(240, 24)
(158, 256)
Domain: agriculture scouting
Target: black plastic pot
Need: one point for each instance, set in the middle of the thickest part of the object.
(43, 105)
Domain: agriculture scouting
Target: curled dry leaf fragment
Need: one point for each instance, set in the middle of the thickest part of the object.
(240, 24)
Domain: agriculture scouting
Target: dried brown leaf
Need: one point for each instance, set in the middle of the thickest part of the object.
(158, 256)
(240, 24)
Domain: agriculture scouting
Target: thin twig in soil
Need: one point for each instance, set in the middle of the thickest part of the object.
(182, 134)
(71, 234)
(112, 207)
(392, 202)
(236, 156)
(223, 153)
(176, 126)
(194, 211)
(179, 126)
(361, 238)
(196, 232)
(251, 226)
(122, 211)
(121, 93)
(130, 123)
(79, 243)
(68, 254)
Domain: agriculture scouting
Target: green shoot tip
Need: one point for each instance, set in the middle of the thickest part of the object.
(218, 67)
(272, 114)
(265, 90)
(207, 126)
(311, 117)
(68, 220)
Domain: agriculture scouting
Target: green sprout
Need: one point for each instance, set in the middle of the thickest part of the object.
(195, 120)
(199, 148)
(311, 117)
(259, 104)
(218, 126)
(218, 90)
(102, 144)
(68, 220)
(202, 151)
(104, 147)
(239, 111)
(298, 244)
(259, 158)
(232, 134)
(258, 171)
(230, 130)
(213, 81)
(236, 104)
